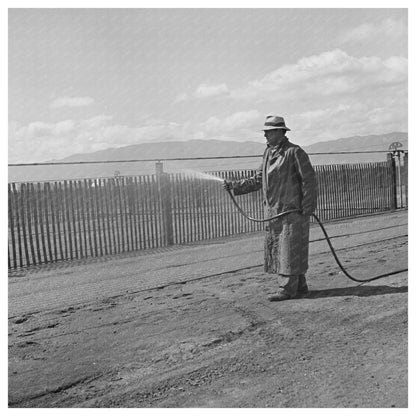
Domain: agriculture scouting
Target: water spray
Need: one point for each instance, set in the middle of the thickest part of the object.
(323, 230)
(201, 175)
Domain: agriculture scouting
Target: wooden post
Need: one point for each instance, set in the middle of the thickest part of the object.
(405, 178)
(165, 198)
(392, 165)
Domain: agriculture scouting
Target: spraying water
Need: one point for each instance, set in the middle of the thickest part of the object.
(201, 175)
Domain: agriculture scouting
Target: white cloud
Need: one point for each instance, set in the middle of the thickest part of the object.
(233, 123)
(71, 102)
(322, 97)
(181, 97)
(319, 118)
(212, 124)
(96, 121)
(241, 120)
(39, 141)
(389, 29)
(330, 73)
(239, 126)
(205, 90)
(345, 120)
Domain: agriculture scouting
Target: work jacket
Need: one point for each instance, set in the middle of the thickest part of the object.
(287, 179)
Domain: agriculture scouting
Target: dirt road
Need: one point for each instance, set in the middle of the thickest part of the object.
(192, 327)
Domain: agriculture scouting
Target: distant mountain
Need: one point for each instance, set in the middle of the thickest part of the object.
(162, 150)
(200, 148)
(357, 143)
(214, 148)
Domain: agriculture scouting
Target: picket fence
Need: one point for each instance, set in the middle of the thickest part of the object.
(76, 219)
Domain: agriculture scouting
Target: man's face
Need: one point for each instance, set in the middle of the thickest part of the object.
(274, 137)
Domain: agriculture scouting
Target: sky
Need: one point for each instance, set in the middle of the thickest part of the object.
(83, 80)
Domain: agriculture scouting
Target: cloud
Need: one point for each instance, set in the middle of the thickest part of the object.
(234, 122)
(241, 120)
(331, 73)
(345, 120)
(390, 29)
(40, 141)
(181, 97)
(203, 91)
(322, 97)
(71, 102)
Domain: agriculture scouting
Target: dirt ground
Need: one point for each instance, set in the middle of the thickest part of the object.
(213, 339)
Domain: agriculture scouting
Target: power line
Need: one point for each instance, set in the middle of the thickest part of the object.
(94, 162)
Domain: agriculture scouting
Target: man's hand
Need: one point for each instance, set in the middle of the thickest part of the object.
(227, 185)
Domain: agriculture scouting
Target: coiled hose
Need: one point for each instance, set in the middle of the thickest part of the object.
(326, 237)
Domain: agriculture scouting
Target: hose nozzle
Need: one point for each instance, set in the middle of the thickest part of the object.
(227, 185)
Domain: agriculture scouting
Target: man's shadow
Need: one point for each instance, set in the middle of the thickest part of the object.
(355, 291)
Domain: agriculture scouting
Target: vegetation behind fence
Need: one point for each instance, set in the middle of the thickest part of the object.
(53, 221)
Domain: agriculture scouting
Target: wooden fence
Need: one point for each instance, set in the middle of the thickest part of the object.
(76, 219)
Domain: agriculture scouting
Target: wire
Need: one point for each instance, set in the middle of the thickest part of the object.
(92, 162)
(326, 237)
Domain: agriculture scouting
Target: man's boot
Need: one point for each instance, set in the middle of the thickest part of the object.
(302, 286)
(288, 285)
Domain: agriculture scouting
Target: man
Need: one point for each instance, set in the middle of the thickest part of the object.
(288, 182)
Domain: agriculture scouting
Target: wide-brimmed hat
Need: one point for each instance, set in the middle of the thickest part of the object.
(275, 122)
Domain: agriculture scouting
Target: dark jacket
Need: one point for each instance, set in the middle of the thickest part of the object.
(287, 179)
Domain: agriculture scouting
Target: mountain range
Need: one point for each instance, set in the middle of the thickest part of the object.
(201, 149)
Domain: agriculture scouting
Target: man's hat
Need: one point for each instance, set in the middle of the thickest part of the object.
(275, 122)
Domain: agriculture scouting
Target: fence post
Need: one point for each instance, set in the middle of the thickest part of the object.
(405, 178)
(165, 198)
(392, 164)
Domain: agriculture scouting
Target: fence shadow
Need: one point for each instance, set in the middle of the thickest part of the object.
(362, 291)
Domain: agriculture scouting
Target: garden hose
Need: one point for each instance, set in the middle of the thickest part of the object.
(326, 237)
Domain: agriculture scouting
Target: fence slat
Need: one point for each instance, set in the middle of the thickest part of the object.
(12, 227)
(141, 212)
(38, 224)
(42, 218)
(107, 216)
(62, 221)
(149, 213)
(53, 222)
(33, 232)
(87, 202)
(155, 210)
(185, 209)
(31, 225)
(82, 203)
(120, 214)
(77, 218)
(192, 210)
(114, 217)
(127, 213)
(102, 215)
(123, 216)
(180, 208)
(96, 203)
(18, 223)
(71, 198)
(133, 214)
(23, 198)
(67, 220)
